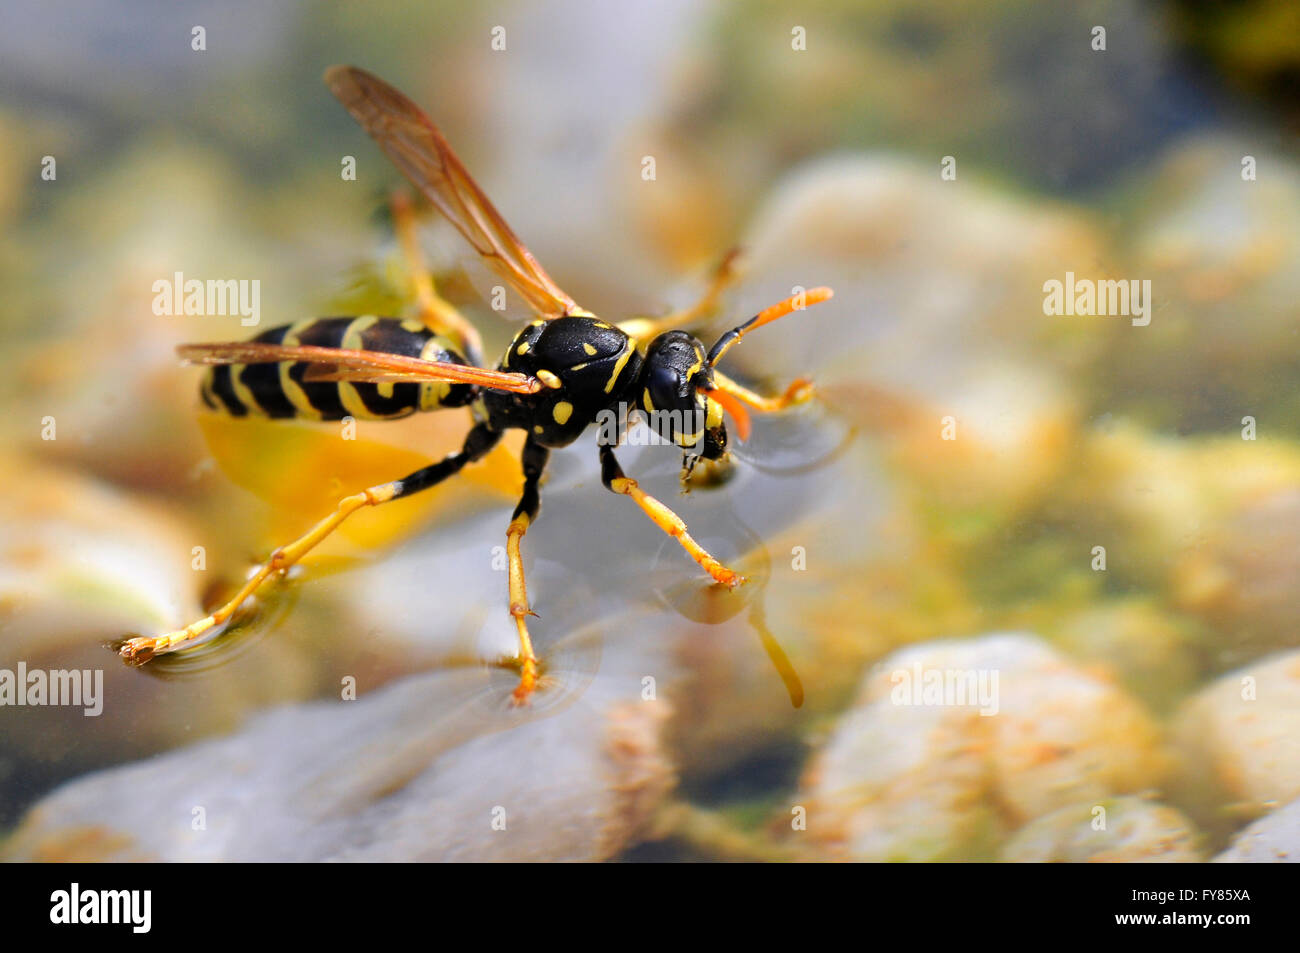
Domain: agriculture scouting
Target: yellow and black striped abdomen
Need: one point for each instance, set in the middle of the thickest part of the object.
(278, 390)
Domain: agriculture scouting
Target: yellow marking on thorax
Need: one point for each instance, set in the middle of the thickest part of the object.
(589, 349)
(562, 412)
(618, 368)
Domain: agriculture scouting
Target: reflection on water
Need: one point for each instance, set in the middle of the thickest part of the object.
(222, 645)
(797, 441)
(712, 604)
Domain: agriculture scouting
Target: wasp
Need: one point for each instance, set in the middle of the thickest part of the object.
(556, 378)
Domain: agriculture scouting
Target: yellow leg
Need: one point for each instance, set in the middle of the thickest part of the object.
(613, 477)
(799, 391)
(519, 610)
(478, 442)
(534, 458)
(438, 315)
(142, 649)
(646, 328)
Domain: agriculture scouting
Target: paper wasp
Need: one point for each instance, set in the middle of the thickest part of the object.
(557, 375)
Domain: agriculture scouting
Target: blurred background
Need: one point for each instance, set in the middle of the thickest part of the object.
(1099, 518)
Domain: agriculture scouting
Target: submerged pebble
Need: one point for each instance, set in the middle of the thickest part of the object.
(1273, 839)
(1118, 830)
(909, 779)
(1238, 741)
(419, 770)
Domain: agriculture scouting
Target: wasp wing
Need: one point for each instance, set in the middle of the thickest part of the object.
(340, 364)
(414, 144)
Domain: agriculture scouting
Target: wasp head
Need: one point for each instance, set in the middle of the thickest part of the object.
(676, 379)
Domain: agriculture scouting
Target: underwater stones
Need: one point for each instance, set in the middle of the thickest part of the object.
(79, 558)
(1242, 580)
(1151, 653)
(932, 282)
(1238, 742)
(1221, 246)
(902, 779)
(1273, 839)
(1114, 830)
(419, 770)
(935, 341)
(1174, 508)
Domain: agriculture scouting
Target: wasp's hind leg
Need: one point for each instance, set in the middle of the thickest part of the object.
(436, 313)
(534, 460)
(478, 442)
(723, 275)
(611, 474)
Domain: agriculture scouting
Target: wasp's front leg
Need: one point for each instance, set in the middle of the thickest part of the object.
(612, 476)
(800, 391)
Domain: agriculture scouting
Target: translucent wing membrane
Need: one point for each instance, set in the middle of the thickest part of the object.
(339, 364)
(414, 144)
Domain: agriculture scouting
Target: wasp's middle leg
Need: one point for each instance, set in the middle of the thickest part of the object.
(611, 474)
(438, 314)
(723, 275)
(478, 442)
(534, 459)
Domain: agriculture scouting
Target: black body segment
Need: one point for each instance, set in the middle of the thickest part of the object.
(582, 365)
(594, 363)
(280, 390)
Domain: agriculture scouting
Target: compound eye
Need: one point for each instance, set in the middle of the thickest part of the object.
(665, 386)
